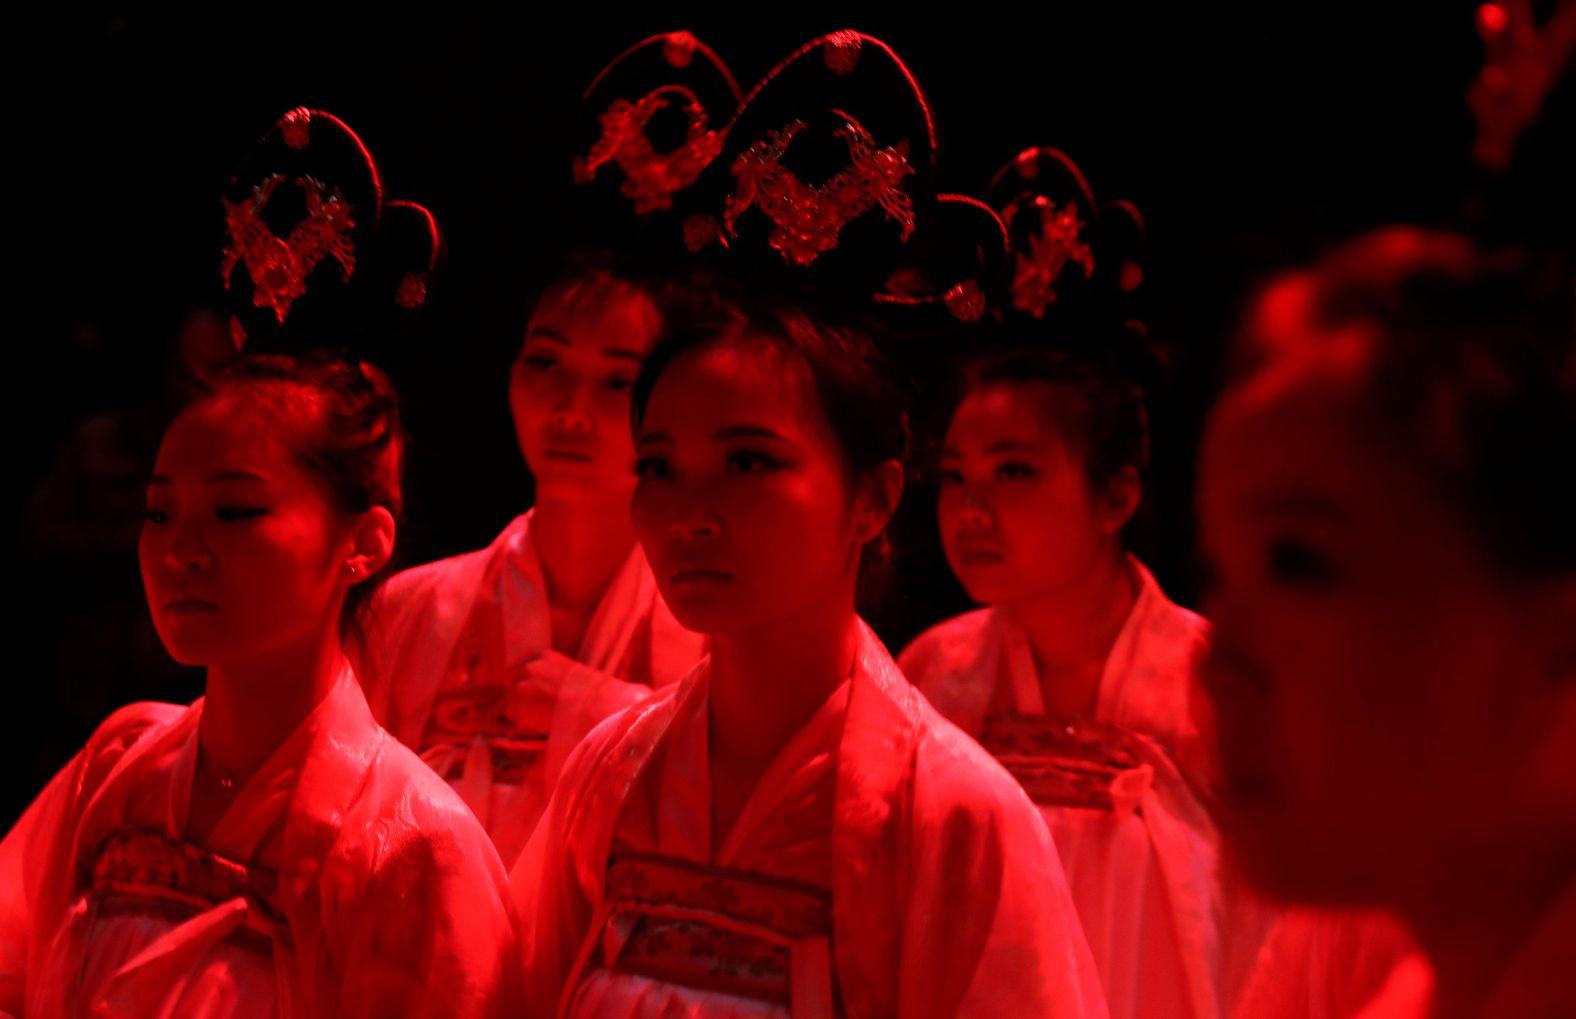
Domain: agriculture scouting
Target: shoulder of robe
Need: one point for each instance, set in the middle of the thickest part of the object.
(948, 645)
(405, 838)
(958, 779)
(122, 730)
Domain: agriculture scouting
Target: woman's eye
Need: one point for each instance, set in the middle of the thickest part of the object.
(538, 362)
(1300, 564)
(236, 514)
(746, 461)
(951, 476)
(156, 516)
(1015, 472)
(651, 468)
(621, 385)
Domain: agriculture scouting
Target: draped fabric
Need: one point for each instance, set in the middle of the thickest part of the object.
(1126, 819)
(343, 880)
(458, 664)
(934, 863)
(1173, 933)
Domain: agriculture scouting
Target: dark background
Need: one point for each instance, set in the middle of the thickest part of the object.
(1248, 135)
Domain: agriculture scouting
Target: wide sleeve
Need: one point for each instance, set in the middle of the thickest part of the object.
(29, 848)
(35, 855)
(988, 927)
(554, 907)
(430, 934)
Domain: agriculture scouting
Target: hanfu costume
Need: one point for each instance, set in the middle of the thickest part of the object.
(884, 866)
(344, 880)
(449, 660)
(1134, 839)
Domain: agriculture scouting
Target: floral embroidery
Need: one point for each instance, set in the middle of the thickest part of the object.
(808, 219)
(1060, 763)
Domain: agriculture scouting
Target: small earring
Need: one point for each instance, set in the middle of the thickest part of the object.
(355, 571)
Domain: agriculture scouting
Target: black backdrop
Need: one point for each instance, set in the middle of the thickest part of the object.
(1247, 134)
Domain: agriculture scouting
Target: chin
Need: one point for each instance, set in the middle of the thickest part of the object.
(988, 585)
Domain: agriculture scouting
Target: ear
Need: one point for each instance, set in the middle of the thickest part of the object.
(878, 499)
(371, 544)
(1120, 500)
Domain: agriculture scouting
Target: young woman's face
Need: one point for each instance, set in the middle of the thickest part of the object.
(742, 504)
(570, 386)
(1017, 512)
(242, 553)
(1375, 678)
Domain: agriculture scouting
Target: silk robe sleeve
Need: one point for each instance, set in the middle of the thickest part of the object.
(419, 922)
(988, 927)
(36, 855)
(552, 893)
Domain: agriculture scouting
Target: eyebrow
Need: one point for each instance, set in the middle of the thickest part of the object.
(1004, 446)
(750, 432)
(217, 477)
(554, 336)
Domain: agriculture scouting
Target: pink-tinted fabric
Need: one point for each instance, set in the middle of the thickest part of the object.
(384, 897)
(943, 902)
(481, 620)
(1142, 874)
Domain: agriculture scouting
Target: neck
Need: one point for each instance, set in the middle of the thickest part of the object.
(1071, 629)
(250, 708)
(581, 546)
(768, 682)
(1473, 934)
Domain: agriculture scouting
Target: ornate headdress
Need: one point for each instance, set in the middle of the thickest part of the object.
(660, 111)
(1068, 252)
(827, 168)
(311, 250)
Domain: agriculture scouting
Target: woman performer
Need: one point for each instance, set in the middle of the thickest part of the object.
(1078, 675)
(792, 830)
(493, 664)
(1395, 600)
(268, 850)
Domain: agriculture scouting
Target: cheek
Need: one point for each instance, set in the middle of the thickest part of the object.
(528, 404)
(796, 529)
(651, 508)
(1048, 530)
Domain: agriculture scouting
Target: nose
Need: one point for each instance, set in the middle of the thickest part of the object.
(570, 413)
(973, 514)
(696, 522)
(188, 551)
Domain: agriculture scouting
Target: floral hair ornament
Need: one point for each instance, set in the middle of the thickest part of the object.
(837, 137)
(656, 76)
(313, 254)
(279, 266)
(953, 262)
(1050, 218)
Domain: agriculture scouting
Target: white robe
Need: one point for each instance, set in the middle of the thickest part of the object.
(1143, 871)
(343, 881)
(916, 879)
(447, 657)
(1171, 934)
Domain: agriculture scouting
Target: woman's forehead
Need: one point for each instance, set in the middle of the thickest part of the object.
(737, 378)
(596, 304)
(228, 430)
